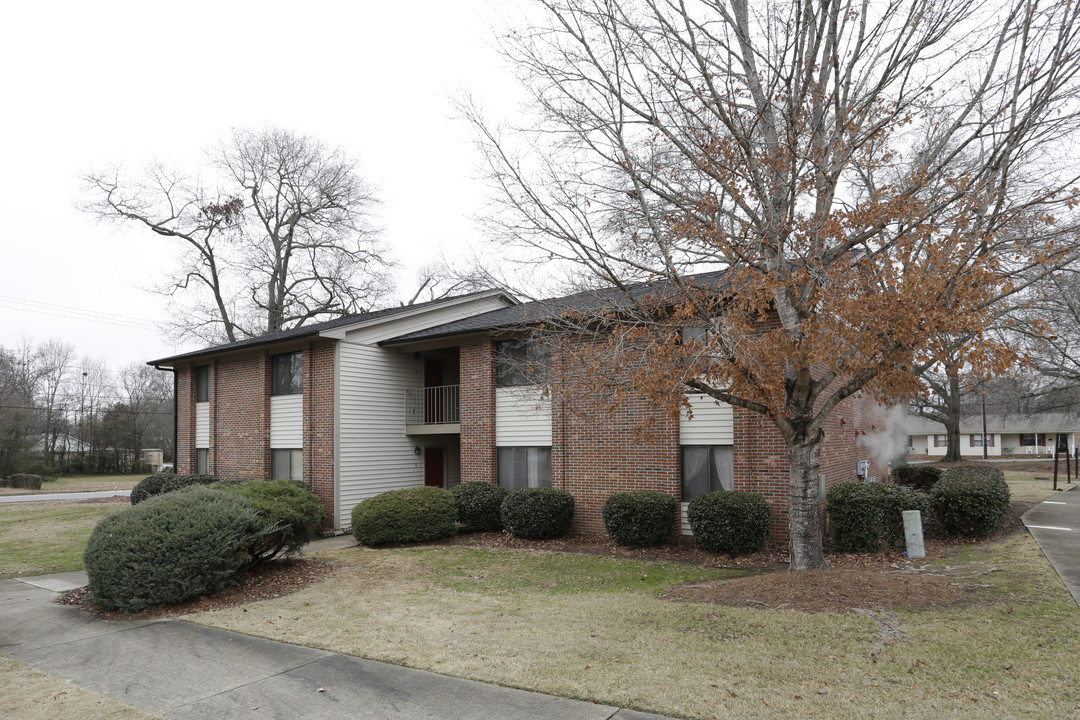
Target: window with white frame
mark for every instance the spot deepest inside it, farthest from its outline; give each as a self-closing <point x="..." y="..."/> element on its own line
<point x="524" y="467"/>
<point x="1032" y="439"/>
<point x="288" y="464"/>
<point x="941" y="441"/>
<point x="977" y="440"/>
<point x="707" y="469"/>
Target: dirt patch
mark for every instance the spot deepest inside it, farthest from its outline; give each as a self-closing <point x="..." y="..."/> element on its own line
<point x="264" y="582"/>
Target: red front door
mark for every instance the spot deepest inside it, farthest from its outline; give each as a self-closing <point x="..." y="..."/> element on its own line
<point x="433" y="467"/>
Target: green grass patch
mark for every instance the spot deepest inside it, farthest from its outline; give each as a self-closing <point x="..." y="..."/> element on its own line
<point x="80" y="483"/>
<point x="47" y="537"/>
<point x="599" y="629"/>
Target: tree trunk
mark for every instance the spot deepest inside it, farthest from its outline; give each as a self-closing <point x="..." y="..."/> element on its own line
<point x="804" y="522"/>
<point x="952" y="415"/>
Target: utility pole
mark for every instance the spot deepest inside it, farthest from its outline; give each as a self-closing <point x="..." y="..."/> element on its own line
<point x="984" y="424"/>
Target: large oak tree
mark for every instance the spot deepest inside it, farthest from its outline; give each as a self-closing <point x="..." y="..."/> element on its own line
<point x="871" y="176"/>
<point x="275" y="233"/>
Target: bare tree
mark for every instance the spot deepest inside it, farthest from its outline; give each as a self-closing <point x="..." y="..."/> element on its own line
<point x="54" y="360"/>
<point x="282" y="237"/>
<point x="871" y="177"/>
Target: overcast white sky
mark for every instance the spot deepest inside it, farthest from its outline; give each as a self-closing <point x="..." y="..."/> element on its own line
<point x="87" y="85"/>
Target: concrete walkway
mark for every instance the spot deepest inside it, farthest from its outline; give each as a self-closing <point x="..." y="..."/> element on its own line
<point x="184" y="671"/>
<point x="41" y="497"/>
<point x="1055" y="525"/>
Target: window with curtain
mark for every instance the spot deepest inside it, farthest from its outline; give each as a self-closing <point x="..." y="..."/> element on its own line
<point x="707" y="469"/>
<point x="524" y="467"/>
<point x="202" y="461"/>
<point x="287" y="464"/>
<point x="202" y="384"/>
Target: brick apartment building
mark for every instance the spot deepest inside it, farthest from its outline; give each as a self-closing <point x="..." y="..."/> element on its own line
<point x="426" y="394"/>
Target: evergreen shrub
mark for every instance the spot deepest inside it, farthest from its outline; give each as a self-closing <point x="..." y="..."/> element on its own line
<point x="163" y="483"/>
<point x="868" y="517"/>
<point x="538" y="513"/>
<point x="919" y="477"/>
<point x="970" y="500"/>
<point x="418" y="514"/>
<point x="290" y="510"/>
<point x="479" y="505"/>
<point x="730" y="521"/>
<point x="170" y="548"/>
<point x="643" y="518"/>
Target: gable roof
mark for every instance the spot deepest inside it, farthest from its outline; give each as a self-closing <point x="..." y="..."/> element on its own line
<point x="539" y="310"/>
<point x="998" y="424"/>
<point x="315" y="329"/>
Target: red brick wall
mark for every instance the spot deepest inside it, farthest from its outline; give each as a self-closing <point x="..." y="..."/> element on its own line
<point x="185" y="420"/>
<point x="240" y="418"/>
<point x="319" y="360"/>
<point x="602" y="446"/>
<point x="478" y="455"/>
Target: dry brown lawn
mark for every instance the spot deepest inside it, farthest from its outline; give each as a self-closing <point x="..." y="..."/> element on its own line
<point x="26" y="694"/>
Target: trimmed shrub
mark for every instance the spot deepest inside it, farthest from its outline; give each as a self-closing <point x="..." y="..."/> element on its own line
<point x="643" y="518"/>
<point x="538" y="513"/>
<point x="291" y="512"/>
<point x="868" y="517"/>
<point x="170" y="548"/>
<point x="730" y="521"/>
<point x="26" y="481"/>
<point x="919" y="477"/>
<point x="479" y="505"/>
<point x="153" y="485"/>
<point x="970" y="500"/>
<point x="418" y="514"/>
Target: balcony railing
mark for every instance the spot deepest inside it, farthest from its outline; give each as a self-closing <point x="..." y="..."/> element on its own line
<point x="433" y="405"/>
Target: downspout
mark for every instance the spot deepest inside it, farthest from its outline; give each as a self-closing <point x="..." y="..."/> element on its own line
<point x="175" y="408"/>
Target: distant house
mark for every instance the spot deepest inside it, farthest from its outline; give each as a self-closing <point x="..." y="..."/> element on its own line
<point x="430" y="394"/>
<point x="1005" y="435"/>
<point x="152" y="456"/>
<point x="62" y="443"/>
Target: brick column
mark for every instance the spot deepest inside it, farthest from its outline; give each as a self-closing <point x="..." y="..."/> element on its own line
<point x="319" y="358"/>
<point x="478" y="456"/>
<point x="185" y="420"/>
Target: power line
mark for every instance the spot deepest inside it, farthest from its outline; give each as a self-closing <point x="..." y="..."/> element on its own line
<point x="72" y="313"/>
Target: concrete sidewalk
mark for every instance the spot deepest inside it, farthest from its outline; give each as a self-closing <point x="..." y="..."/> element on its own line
<point x="184" y="671"/>
<point x="1055" y="525"/>
<point x="45" y="497"/>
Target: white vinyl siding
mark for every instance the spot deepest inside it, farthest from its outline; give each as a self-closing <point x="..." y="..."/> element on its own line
<point x="712" y="423"/>
<point x="522" y="417"/>
<point x="374" y="453"/>
<point x="202" y="425"/>
<point x="287" y="421"/>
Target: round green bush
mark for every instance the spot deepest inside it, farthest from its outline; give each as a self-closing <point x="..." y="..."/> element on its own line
<point x="165" y="483"/>
<point x="418" y="514"/>
<point x="643" y="518"/>
<point x="291" y="511"/>
<point x="970" y="500"/>
<point x="479" y="505"/>
<point x="170" y="548"/>
<point x="868" y="517"/>
<point x="730" y="521"/>
<point x="919" y="477"/>
<point x="538" y="513"/>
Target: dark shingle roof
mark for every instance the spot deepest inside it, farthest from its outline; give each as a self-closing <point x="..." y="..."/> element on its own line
<point x="539" y="310"/>
<point x="313" y="329"/>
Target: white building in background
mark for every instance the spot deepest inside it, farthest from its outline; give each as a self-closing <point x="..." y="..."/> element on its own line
<point x="1006" y="435"/>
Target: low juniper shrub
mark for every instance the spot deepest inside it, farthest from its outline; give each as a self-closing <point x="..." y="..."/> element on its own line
<point x="970" y="500"/>
<point x="479" y="505"/>
<point x="730" y="521"/>
<point x="162" y="483"/>
<point x="538" y="513"/>
<point x="170" y="548"/>
<point x="418" y="514"/>
<point x="643" y="518"/>
<point x="290" y="510"/>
